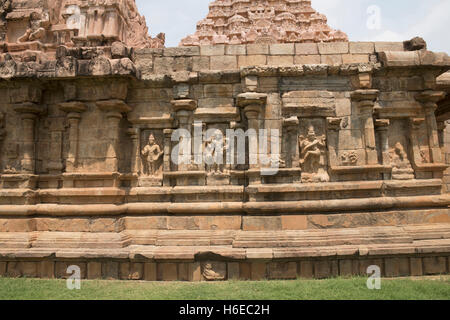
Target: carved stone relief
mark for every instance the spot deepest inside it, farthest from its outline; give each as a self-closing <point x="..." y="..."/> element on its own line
<point x="313" y="152"/>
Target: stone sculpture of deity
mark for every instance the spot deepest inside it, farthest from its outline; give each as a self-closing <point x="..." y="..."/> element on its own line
<point x="152" y="153"/>
<point x="402" y="169"/>
<point x="313" y="157"/>
<point x="212" y="157"/>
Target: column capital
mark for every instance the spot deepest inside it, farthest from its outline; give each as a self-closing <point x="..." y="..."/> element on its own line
<point x="29" y="109"/>
<point x="334" y="124"/>
<point x="113" y="106"/>
<point x="365" y="98"/>
<point x="73" y="107"/>
<point x="430" y="96"/>
<point x="251" y="98"/>
<point x="291" y="123"/>
<point x="382" y="124"/>
<point x="184" y="105"/>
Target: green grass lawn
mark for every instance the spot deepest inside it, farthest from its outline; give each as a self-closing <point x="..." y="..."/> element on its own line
<point x="354" y="288"/>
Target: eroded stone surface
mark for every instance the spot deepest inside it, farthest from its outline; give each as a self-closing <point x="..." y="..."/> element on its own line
<point x="262" y="22"/>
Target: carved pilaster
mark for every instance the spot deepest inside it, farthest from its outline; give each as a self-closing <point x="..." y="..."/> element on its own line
<point x="29" y="113"/>
<point x="429" y="100"/>
<point x="415" y="126"/>
<point x="253" y="104"/>
<point x="167" y="151"/>
<point x="74" y="111"/>
<point x="134" y="134"/>
<point x="333" y="128"/>
<point x="114" y="110"/>
<point x="365" y="102"/>
<point x="382" y="128"/>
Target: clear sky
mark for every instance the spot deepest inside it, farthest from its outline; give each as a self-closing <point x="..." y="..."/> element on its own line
<point x="373" y="20"/>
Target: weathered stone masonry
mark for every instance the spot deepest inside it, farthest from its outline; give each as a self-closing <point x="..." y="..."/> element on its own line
<point x="87" y="176"/>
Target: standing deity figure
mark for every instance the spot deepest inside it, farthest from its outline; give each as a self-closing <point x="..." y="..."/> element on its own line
<point x="313" y="157"/>
<point x="402" y="169"/>
<point x="152" y="152"/>
<point x="214" y="161"/>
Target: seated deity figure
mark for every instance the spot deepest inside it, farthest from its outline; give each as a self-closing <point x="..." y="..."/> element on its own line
<point x="36" y="31"/>
<point x="152" y="153"/>
<point x="312" y="157"/>
<point x="402" y="169"/>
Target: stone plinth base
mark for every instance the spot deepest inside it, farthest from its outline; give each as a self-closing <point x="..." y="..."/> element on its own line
<point x="198" y="255"/>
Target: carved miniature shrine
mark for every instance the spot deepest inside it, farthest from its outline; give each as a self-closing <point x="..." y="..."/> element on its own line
<point x="90" y="111"/>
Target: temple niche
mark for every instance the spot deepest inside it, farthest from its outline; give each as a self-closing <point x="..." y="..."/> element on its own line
<point x="262" y="21"/>
<point x="267" y="146"/>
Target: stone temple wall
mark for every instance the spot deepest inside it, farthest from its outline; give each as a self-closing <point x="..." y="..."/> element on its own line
<point x="89" y="178"/>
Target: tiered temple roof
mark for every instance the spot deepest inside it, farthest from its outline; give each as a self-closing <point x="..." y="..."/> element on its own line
<point x="262" y="21"/>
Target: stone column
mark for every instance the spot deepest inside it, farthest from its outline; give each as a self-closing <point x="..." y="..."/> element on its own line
<point x="166" y="159"/>
<point x="183" y="112"/>
<point x="333" y="128"/>
<point x="365" y="102"/>
<point x="114" y="110"/>
<point x="2" y="136"/>
<point x="29" y="112"/>
<point x="429" y="100"/>
<point x="73" y="110"/>
<point x="253" y="104"/>
<point x="382" y="128"/>
<point x="134" y="134"/>
<point x="415" y="126"/>
<point x="291" y="141"/>
<point x="56" y="128"/>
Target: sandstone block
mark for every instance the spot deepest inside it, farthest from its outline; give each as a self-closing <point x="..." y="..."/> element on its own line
<point x="389" y="46"/>
<point x="110" y="270"/>
<point x="218" y="90"/>
<point x="259" y="270"/>
<point x="252" y="60"/>
<point x="181" y="51"/>
<point x="362" y="47"/>
<point x="416" y="267"/>
<point x="282" y="49"/>
<point x="236" y="50"/>
<point x="280" y="60"/>
<point x="47" y="269"/>
<point x="150" y="271"/>
<point x="434" y="265"/>
<point x="348" y="267"/>
<point x="355" y="58"/>
<point x="282" y="270"/>
<point x="223" y="62"/>
<point x="307" y="59"/>
<point x="261" y="223"/>
<point x="245" y="271"/>
<point x="94" y="270"/>
<point x="183" y="272"/>
<point x="257" y="49"/>
<point x="201" y="63"/>
<point x="307" y="269"/>
<point x="167" y="272"/>
<point x="294" y="222"/>
<point x="331" y="59"/>
<point x="306" y="49"/>
<point x="396" y="267"/>
<point x="233" y="271"/>
<point x="3" y="266"/>
<point x="333" y="48"/>
<point x="195" y="272"/>
<point x="215" y="50"/>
